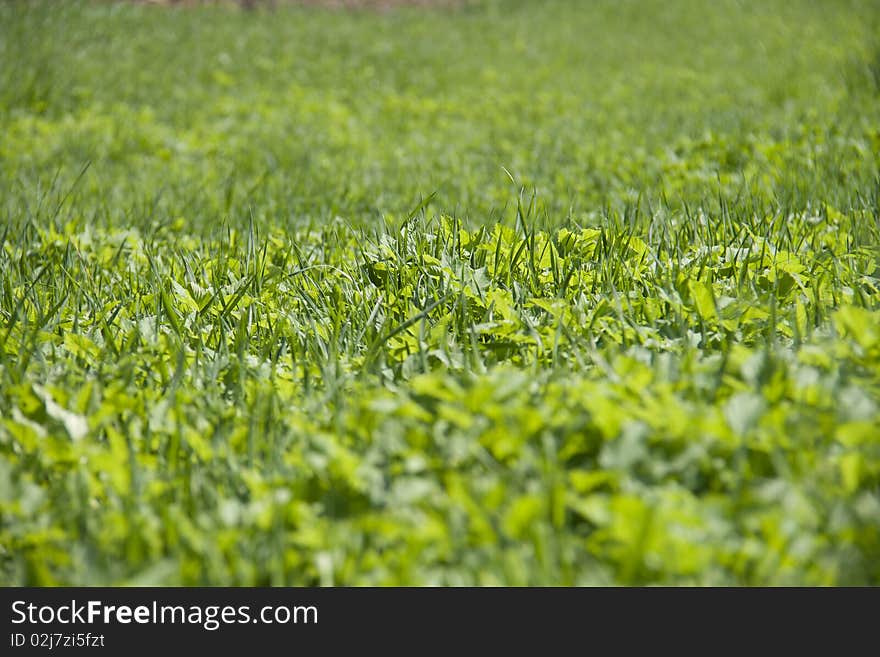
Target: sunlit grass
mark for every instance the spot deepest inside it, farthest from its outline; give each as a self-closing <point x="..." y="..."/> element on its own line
<point x="522" y="293"/>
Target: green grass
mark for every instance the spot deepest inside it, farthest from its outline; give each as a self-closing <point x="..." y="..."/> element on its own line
<point x="520" y="293"/>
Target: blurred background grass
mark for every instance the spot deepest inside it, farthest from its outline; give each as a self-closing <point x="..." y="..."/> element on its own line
<point x="301" y="114"/>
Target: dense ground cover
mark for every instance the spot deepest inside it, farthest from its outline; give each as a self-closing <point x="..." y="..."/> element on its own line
<point x="521" y="293"/>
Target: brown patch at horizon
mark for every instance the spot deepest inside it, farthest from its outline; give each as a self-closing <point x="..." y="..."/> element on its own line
<point x="332" y="4"/>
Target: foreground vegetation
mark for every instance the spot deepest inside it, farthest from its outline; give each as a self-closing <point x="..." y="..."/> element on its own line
<point x="519" y="293"/>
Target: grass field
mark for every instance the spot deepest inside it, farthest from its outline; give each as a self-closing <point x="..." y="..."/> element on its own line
<point x="517" y="293"/>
